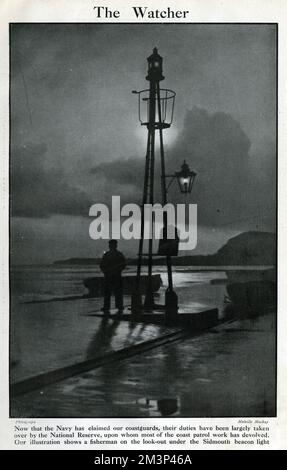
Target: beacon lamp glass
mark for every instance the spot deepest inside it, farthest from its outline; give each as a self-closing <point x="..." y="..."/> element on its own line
<point x="185" y="178"/>
<point x="154" y="66"/>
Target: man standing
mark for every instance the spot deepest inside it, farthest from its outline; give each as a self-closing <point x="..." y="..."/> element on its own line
<point x="112" y="264"/>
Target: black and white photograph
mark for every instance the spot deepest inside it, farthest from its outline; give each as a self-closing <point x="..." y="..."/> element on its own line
<point x="143" y="220"/>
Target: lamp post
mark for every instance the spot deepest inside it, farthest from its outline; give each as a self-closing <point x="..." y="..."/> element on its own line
<point x="156" y="106"/>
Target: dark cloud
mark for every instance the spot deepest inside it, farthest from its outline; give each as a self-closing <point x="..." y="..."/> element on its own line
<point x="231" y="188"/>
<point x="227" y="190"/>
<point x="128" y="171"/>
<point x="39" y="191"/>
<point x="124" y="176"/>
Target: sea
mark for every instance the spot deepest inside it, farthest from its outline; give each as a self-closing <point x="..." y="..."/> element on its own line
<point x="34" y="283"/>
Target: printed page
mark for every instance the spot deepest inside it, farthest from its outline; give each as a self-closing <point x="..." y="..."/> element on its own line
<point x="143" y="208"/>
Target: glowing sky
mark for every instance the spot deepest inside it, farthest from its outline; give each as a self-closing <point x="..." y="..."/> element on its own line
<point x="76" y="140"/>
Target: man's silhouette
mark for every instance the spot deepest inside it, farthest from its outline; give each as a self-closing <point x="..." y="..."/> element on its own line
<point x="112" y="264"/>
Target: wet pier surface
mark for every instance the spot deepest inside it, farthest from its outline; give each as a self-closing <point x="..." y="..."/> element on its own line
<point x="50" y="336"/>
<point x="47" y="335"/>
<point x="227" y="371"/>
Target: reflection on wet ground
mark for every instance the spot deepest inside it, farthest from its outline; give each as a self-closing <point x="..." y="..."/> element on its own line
<point x="45" y="338"/>
<point x="229" y="371"/>
<point x="50" y="335"/>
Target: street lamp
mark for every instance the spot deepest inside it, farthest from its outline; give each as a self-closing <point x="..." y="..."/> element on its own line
<point x="155" y="110"/>
<point x="185" y="178"/>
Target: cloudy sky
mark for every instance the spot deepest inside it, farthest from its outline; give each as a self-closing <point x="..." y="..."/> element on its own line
<point x="76" y="141"/>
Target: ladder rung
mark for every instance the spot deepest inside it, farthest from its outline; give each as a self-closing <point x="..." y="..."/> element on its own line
<point x="152" y="254"/>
